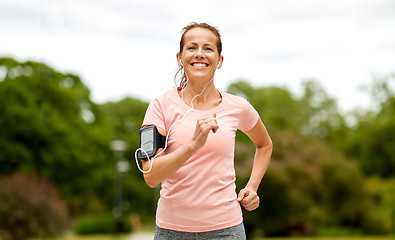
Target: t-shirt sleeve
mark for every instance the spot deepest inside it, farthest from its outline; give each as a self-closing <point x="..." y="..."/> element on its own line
<point x="248" y="116"/>
<point x="154" y="115"/>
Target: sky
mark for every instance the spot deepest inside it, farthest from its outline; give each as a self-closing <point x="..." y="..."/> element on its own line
<point x="124" y="48"/>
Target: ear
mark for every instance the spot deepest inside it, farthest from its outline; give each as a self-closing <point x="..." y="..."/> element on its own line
<point x="221" y="60"/>
<point x="179" y="60"/>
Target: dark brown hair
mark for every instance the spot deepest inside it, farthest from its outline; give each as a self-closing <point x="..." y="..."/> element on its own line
<point x="185" y="30"/>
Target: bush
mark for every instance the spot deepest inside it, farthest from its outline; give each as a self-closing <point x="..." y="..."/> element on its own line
<point x="30" y="207"/>
<point x="98" y="224"/>
<point x="310" y="186"/>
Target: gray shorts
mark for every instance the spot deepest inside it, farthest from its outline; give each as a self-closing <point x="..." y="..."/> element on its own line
<point x="233" y="233"/>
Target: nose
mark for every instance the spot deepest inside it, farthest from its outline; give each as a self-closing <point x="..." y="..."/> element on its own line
<point x="199" y="53"/>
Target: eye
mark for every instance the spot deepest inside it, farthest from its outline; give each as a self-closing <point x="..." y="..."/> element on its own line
<point x="208" y="49"/>
<point x="191" y="48"/>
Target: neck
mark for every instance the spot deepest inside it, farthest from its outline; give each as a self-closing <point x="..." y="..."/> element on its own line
<point x="199" y="87"/>
<point x="203" y="95"/>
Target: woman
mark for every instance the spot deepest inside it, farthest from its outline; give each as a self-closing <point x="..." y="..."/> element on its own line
<point x="198" y="198"/>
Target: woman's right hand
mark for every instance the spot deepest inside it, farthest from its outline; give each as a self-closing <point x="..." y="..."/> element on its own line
<point x="203" y="127"/>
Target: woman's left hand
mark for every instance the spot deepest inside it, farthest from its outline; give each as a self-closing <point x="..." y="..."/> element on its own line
<point x="249" y="199"/>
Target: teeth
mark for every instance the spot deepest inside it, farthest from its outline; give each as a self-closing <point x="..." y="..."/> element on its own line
<point x="199" y="64"/>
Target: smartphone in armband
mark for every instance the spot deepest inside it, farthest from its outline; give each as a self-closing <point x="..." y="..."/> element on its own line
<point x="150" y="141"/>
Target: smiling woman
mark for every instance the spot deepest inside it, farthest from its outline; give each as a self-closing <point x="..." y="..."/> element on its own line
<point x="196" y="166"/>
<point x="214" y="47"/>
<point x="200" y="56"/>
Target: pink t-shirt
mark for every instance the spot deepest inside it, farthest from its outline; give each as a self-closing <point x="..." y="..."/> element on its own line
<point x="201" y="195"/>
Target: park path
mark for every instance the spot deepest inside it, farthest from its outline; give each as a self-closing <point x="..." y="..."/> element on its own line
<point x="141" y="236"/>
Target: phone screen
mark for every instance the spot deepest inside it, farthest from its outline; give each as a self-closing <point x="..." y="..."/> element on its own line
<point x="147" y="140"/>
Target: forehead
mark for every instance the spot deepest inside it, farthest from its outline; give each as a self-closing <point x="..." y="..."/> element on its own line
<point x="200" y="35"/>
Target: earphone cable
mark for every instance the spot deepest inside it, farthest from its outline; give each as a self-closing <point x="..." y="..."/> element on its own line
<point x="151" y="161"/>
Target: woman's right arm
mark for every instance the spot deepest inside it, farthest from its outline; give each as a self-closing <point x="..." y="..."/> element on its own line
<point x="166" y="164"/>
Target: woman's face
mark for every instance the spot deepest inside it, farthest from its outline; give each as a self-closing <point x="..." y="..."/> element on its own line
<point x="200" y="57"/>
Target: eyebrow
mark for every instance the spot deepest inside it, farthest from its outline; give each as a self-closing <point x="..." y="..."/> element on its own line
<point x="206" y="44"/>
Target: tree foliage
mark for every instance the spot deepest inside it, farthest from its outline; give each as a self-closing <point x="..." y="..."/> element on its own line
<point x="274" y="103"/>
<point x="310" y="184"/>
<point x="372" y="140"/>
<point x="125" y="119"/>
<point x="50" y="127"/>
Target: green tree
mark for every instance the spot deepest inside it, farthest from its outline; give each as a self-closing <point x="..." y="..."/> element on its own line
<point x="275" y="104"/>
<point x="314" y="113"/>
<point x="308" y="179"/>
<point x="321" y="115"/>
<point x="125" y="118"/>
<point x="50" y="126"/>
<point x="372" y="140"/>
<point x="309" y="186"/>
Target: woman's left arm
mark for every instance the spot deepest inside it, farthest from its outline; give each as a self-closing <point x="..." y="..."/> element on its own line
<point x="248" y="196"/>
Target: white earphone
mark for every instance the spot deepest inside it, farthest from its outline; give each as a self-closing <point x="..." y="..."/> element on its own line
<point x="151" y="160"/>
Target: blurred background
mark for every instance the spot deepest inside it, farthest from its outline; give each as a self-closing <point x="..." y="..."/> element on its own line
<point x="76" y="78"/>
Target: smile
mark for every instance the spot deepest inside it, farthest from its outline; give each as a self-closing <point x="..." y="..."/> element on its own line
<point x="199" y="64"/>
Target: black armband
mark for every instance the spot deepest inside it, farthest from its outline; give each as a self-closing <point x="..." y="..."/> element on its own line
<point x="150" y="141"/>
